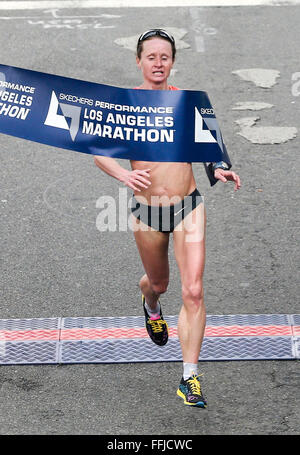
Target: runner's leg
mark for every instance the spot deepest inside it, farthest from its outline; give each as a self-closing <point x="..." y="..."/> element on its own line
<point x="153" y="249"/>
<point x="189" y="248"/>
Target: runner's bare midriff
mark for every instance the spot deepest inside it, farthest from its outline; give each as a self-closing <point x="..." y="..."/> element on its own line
<point x="170" y="182"/>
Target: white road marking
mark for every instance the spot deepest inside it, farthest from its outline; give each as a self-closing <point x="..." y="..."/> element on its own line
<point x="247" y="122"/>
<point x="251" y="106"/>
<point x="64" y="21"/>
<point x="70" y="24"/>
<point x="264" y="134"/>
<point x="261" y="77"/>
<point x="54" y="13"/>
<point x="20" y="5"/>
<point x="199" y="39"/>
<point x="200" y="29"/>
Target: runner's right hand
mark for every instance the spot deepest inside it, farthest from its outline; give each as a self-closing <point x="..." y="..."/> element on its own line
<point x="137" y="179"/>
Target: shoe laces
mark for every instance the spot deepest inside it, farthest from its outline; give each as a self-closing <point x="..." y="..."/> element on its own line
<point x="157" y="325"/>
<point x="194" y="384"/>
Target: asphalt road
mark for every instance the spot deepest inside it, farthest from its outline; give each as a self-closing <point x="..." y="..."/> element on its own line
<point x="54" y="261"/>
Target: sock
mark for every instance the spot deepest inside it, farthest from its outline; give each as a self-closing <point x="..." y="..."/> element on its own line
<point x="153" y="313"/>
<point x="189" y="369"/>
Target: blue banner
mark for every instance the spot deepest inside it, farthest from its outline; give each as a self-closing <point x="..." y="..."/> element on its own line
<point x="144" y="125"/>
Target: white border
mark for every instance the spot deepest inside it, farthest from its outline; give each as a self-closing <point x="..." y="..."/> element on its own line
<point x="47" y="4"/>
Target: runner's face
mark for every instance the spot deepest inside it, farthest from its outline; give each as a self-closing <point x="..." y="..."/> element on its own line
<point x="156" y="60"/>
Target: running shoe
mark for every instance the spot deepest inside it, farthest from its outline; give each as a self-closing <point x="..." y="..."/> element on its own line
<point x="156" y="326"/>
<point x="190" y="391"/>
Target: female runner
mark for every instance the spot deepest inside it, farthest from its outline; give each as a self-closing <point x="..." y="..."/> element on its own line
<point x="167" y="201"/>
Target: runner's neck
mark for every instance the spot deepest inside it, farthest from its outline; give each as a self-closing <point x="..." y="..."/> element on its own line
<point x="169" y="87"/>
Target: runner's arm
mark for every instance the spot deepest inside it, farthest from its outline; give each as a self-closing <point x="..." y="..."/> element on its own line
<point x="132" y="179"/>
<point x="224" y="176"/>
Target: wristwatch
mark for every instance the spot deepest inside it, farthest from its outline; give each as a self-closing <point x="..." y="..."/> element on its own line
<point x="221" y="165"/>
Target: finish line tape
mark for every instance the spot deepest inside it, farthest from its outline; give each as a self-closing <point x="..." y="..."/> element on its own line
<point x="146" y="125"/>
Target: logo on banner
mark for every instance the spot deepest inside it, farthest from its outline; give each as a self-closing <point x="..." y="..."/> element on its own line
<point x="54" y="118"/>
<point x="205" y="135"/>
<point x="201" y="134"/>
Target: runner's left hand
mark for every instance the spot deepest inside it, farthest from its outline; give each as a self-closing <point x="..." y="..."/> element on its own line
<point x="224" y="176"/>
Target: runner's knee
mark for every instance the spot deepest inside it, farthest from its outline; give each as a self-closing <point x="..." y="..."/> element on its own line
<point x="160" y="287"/>
<point x="193" y="293"/>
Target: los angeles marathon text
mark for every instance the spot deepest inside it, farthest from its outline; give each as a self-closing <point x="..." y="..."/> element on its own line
<point x="16" y="110"/>
<point x="121" y="124"/>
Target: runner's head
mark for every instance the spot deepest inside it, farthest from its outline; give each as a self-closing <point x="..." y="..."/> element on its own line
<point x="155" y="57"/>
<point x="155" y="33"/>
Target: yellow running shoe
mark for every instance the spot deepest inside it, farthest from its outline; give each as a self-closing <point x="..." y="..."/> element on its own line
<point x="191" y="393"/>
<point x="156" y="326"/>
